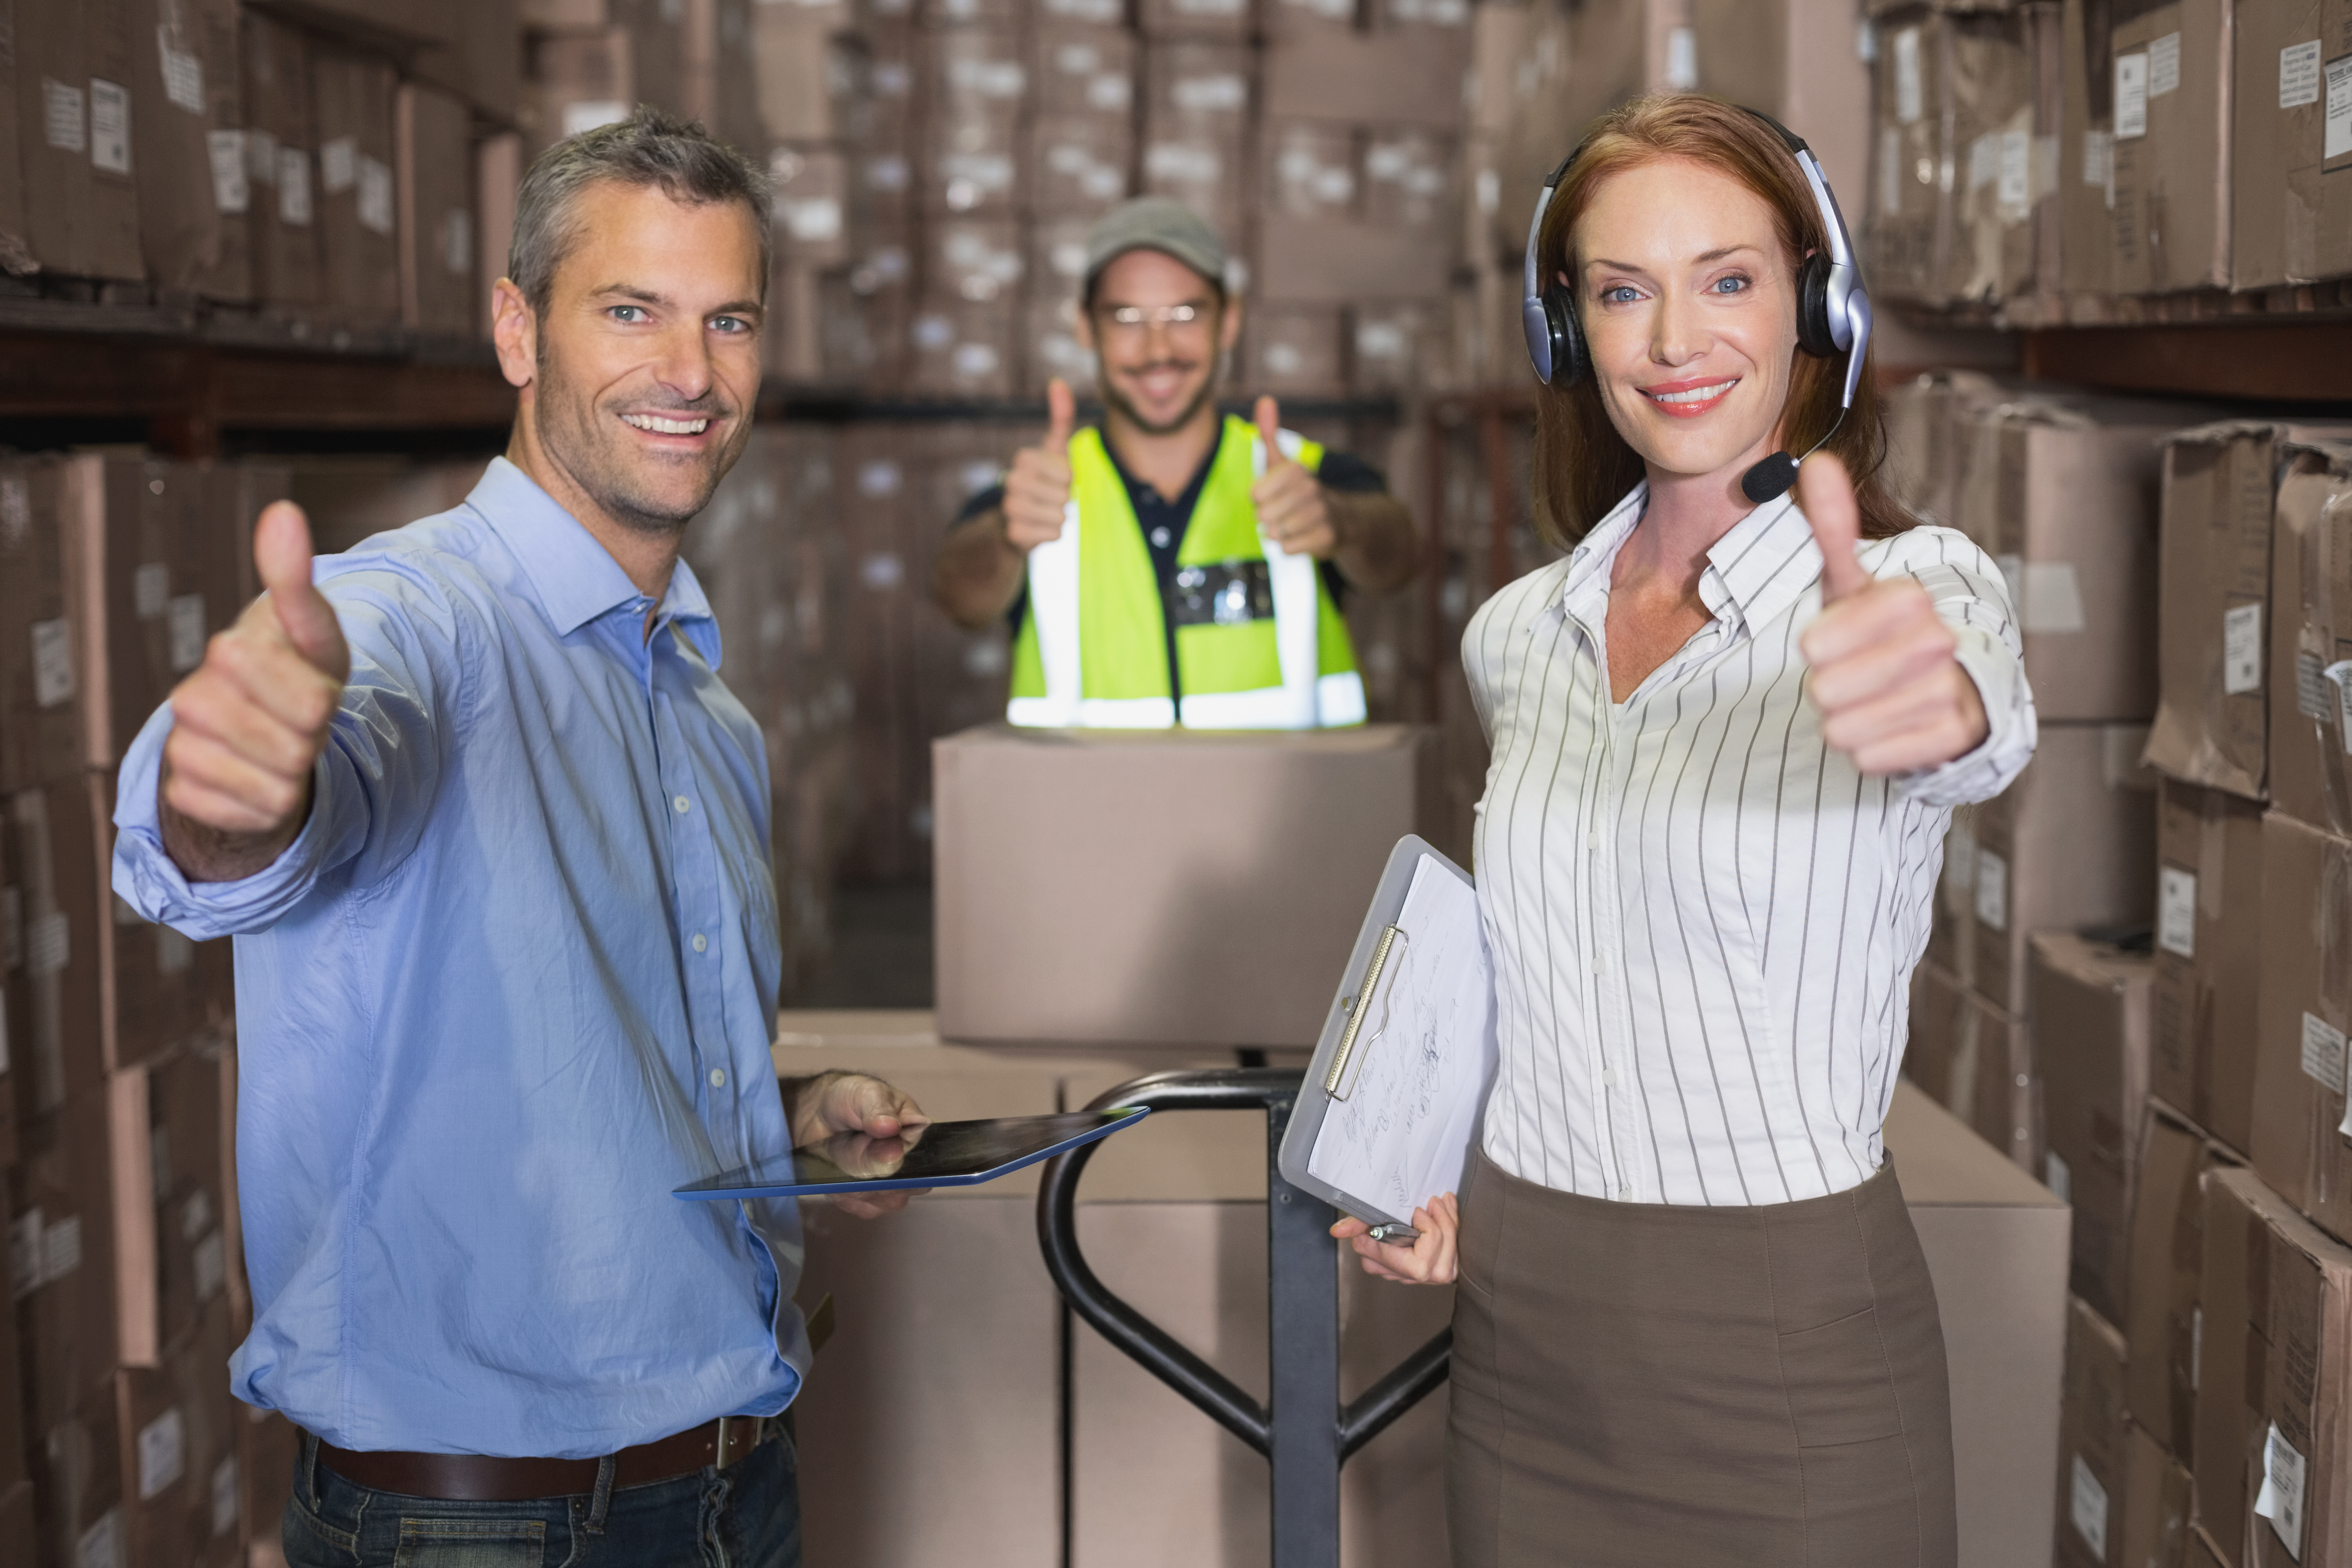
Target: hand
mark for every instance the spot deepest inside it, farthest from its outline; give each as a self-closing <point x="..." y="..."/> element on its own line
<point x="249" y="724"/>
<point x="832" y="1103"/>
<point x="1291" y="508"/>
<point x="1891" y="694"/>
<point x="1037" y="489"/>
<point x="1429" y="1261"/>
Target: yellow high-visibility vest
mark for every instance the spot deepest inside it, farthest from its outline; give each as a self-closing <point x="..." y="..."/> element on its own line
<point x="1259" y="643"/>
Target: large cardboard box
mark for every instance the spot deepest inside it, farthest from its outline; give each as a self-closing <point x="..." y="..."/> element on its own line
<point x="2274" y="1376"/>
<point x="62" y="1260"/>
<point x="2065" y="847"/>
<point x="1198" y="103"/>
<point x="52" y="986"/>
<point x="2093" y="1443"/>
<point x="1235" y="914"/>
<point x="2299" y="1145"/>
<point x="2172" y="158"/>
<point x="74" y="67"/>
<point x="359" y="202"/>
<point x="1996" y="1247"/>
<point x="2311" y="638"/>
<point x="1976" y="1062"/>
<point x="2289" y="223"/>
<point x="2209" y="919"/>
<point x="39" y="722"/>
<point x="76" y="1468"/>
<point x="439" y="247"/>
<point x="281" y="142"/>
<point x="177" y="1426"/>
<point x="970" y="160"/>
<point x="2063" y="493"/>
<point x="1401" y="74"/>
<point x="2220" y="497"/>
<point x="187" y="126"/>
<point x="2091" y="1020"/>
<point x="482" y="63"/>
<point x="2167" y="1262"/>
<point x="189" y="1104"/>
<point x="2157" y="1505"/>
<point x="2087" y="162"/>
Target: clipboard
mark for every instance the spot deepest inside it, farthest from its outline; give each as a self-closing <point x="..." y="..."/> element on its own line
<point x="1360" y="1025"/>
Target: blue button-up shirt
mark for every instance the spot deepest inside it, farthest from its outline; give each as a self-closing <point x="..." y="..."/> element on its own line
<point x="512" y="984"/>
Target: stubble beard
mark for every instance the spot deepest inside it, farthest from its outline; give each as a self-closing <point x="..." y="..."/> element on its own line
<point x="582" y="438"/>
<point x="1119" y="400"/>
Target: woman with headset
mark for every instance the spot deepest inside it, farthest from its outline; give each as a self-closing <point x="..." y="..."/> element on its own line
<point x="1693" y="1325"/>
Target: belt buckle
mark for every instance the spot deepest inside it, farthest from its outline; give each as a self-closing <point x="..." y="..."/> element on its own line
<point x="731" y="1426"/>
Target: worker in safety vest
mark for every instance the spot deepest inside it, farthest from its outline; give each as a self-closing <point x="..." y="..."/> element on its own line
<point x="1177" y="565"/>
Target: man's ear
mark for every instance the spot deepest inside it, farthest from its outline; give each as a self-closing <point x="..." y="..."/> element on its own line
<point x="514" y="328"/>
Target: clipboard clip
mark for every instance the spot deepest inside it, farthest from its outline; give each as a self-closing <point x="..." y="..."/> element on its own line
<point x="1339" y="1083"/>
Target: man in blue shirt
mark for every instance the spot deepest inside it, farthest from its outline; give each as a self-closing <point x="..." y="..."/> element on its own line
<point x="494" y="842"/>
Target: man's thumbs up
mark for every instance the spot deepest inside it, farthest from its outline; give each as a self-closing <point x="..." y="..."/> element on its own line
<point x="248" y="725"/>
<point x="1037" y="485"/>
<point x="1892" y="695"/>
<point x="1267" y="416"/>
<point x="1292" y="510"/>
<point x="1061" y="415"/>
<point x="281" y="552"/>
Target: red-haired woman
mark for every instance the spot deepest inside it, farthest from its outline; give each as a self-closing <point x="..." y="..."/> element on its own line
<point x="1694" y="1324"/>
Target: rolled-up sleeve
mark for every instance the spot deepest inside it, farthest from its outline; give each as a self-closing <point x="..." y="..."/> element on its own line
<point x="1972" y="597"/>
<point x="372" y="786"/>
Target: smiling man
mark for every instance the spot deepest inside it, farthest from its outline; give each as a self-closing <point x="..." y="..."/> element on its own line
<point x="493" y="840"/>
<point x="1202" y="567"/>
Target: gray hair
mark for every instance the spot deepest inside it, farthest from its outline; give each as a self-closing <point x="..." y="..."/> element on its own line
<point x="651" y="147"/>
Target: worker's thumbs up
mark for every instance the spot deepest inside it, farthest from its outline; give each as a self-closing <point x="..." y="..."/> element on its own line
<point x="1061" y="415"/>
<point x="1825" y="495"/>
<point x="1267" y="417"/>
<point x="281" y="553"/>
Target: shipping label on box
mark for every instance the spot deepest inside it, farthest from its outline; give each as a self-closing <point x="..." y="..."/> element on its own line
<point x="2290" y="125"/>
<point x="2094" y="1440"/>
<point x="2172" y="213"/>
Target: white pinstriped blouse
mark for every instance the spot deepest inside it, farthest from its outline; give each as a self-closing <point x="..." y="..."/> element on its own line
<point x="1704" y="920"/>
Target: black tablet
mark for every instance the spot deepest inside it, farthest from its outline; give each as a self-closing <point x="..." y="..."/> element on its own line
<point x="939" y="1154"/>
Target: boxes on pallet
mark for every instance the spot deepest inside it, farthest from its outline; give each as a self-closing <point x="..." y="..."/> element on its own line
<point x="2168" y="1261"/>
<point x="2311" y="627"/>
<point x="2305" y="1008"/>
<point x="75" y="67"/>
<point x="2288" y="224"/>
<point x="2272" y="1381"/>
<point x="281" y="140"/>
<point x="1197" y="102"/>
<point x="2220" y="496"/>
<point x="2172" y="114"/>
<point x="2090" y="1011"/>
<point x="2209" y="924"/>
<point x="188" y="140"/>
<point x="2094" y="1442"/>
<point x="439" y="247"/>
<point x="2063" y="849"/>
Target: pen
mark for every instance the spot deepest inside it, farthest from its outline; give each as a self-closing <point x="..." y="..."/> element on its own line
<point x="1394" y="1231"/>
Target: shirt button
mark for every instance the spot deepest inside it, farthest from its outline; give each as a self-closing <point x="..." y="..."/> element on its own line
<point x="1600" y="963"/>
<point x="700" y="942"/>
<point x="718" y="1078"/>
<point x="681" y="802"/>
<point x="1160" y="539"/>
<point x="1592" y="839"/>
<point x="1609" y="1077"/>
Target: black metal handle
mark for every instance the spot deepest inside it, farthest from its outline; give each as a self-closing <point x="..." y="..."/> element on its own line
<point x="1275" y="1091"/>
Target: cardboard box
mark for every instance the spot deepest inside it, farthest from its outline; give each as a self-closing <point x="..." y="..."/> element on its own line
<point x="962" y="349"/>
<point x="804" y="73"/>
<point x="2168" y="1261"/>
<point x="16" y="251"/>
<point x="1798" y="61"/>
<point x="1083" y="69"/>
<point x="75" y="66"/>
<point x="1407" y="176"/>
<point x="189" y="1110"/>
<point x="2172" y="154"/>
<point x="40" y="722"/>
<point x="2062" y="491"/>
<point x="2065" y="847"/>
<point x="718" y="79"/>
<point x="2288" y="224"/>
<point x="1025" y="827"/>
<point x="2306" y="1006"/>
<point x="2272" y="1470"/>
<point x="577" y="81"/>
<point x="2093" y="1443"/>
<point x="1996" y="1247"/>
<point x="482" y="63"/>
<point x="2091" y="1017"/>
<point x="78" y="1486"/>
<point x="2208" y="956"/>
<point x="969" y="159"/>
<point x="1974" y="1061"/>
<point x="439" y="247"/>
<point x="1396" y="74"/>
<point x="62" y="1260"/>
<point x="1298" y="348"/>
<point x="2220" y="497"/>
<point x="1197" y="105"/>
<point x="2157" y="1504"/>
<point x="177" y="1426"/>
<point x="281" y="140"/>
<point x="52" y="986"/>
<point x="358" y="204"/>
<point x="1310" y="168"/>
<point x="1385" y="345"/>
<point x="2311" y="636"/>
<point x="1078" y="163"/>
<point x="2086" y="162"/>
<point x="811" y="188"/>
<point x="194" y="191"/>
<point x="268" y="1449"/>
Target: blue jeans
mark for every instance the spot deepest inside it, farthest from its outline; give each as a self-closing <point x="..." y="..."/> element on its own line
<point x="746" y="1516"/>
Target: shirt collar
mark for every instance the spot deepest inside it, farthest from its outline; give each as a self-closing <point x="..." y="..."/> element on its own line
<point x="575" y="578"/>
<point x="1757" y="568"/>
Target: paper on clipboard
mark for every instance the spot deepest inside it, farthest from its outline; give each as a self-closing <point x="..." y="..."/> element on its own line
<point x="1409" y="1092"/>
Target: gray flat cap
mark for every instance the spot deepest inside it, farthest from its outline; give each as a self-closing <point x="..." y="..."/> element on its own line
<point x="1156" y="223"/>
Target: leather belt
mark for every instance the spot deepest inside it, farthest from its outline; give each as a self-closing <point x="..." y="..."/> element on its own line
<point x="477" y="1478"/>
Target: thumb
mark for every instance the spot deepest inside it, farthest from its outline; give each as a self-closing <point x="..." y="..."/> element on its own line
<point x="1826" y="497"/>
<point x="1267" y="417"/>
<point x="281" y="553"/>
<point x="1061" y="413"/>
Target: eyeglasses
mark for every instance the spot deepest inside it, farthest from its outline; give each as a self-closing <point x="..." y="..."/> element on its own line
<point x="1131" y="320"/>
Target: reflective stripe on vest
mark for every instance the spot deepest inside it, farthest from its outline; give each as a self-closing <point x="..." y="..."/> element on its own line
<point x="1110" y="668"/>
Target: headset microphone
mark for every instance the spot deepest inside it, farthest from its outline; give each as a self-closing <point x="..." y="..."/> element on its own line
<point x="1833" y="311"/>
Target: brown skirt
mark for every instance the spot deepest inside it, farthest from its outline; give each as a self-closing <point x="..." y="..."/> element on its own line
<point x="1649" y="1383"/>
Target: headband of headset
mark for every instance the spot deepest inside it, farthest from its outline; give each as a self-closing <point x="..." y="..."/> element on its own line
<point x="1842" y="315"/>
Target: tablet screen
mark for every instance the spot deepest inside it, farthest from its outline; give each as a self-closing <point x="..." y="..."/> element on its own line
<point x="942" y="1154"/>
